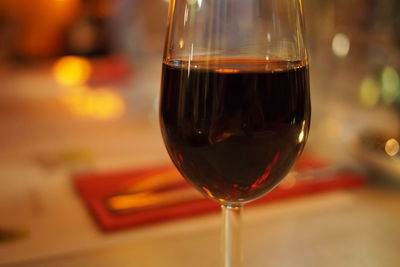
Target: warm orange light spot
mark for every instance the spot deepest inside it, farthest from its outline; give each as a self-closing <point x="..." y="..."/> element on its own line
<point x="71" y="70"/>
<point x="133" y="201"/>
<point x="98" y="104"/>
<point x="392" y="147"/>
<point x="207" y="191"/>
<point x="227" y="70"/>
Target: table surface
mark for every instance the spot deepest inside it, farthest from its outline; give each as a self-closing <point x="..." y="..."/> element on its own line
<point x="358" y="228"/>
<point x="41" y="147"/>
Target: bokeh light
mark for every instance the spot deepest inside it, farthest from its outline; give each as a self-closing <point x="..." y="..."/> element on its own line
<point x="369" y="92"/>
<point x="72" y="70"/>
<point x="340" y="45"/>
<point x="392" y="147"/>
<point x="390" y="84"/>
<point x="99" y="104"/>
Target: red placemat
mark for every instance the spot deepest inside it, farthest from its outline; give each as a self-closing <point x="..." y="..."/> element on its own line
<point x="97" y="188"/>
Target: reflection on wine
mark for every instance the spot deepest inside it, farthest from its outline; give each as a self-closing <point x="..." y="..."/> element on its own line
<point x="234" y="127"/>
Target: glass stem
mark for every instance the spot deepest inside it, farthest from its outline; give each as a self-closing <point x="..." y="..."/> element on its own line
<point x="231" y="235"/>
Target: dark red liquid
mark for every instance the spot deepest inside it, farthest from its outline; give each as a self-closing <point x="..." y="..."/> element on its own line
<point x="234" y="128"/>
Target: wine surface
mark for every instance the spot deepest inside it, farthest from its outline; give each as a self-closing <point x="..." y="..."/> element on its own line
<point x="234" y="127"/>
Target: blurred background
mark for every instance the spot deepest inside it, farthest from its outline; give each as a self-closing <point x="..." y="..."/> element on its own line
<point x="79" y="83"/>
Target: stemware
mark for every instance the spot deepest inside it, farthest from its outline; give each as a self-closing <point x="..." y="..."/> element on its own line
<point x="235" y="102"/>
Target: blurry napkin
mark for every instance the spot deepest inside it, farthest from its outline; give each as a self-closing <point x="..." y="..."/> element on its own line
<point x="132" y="198"/>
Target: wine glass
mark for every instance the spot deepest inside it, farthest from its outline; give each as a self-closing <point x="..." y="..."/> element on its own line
<point x="235" y="102"/>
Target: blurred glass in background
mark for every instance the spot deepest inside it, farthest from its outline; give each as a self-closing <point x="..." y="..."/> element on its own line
<point x="354" y="66"/>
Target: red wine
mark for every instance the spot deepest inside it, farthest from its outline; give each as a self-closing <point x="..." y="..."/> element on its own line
<point x="234" y="128"/>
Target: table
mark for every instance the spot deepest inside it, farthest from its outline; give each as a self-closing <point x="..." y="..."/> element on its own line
<point x="357" y="228"/>
<point x="42" y="144"/>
